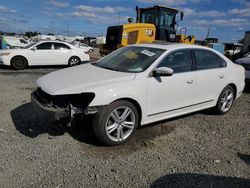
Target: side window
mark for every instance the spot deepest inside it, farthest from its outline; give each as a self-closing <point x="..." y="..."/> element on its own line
<point x="23" y="41"/>
<point x="208" y="60"/>
<point x="60" y="46"/>
<point x="44" y="46"/>
<point x="179" y="61"/>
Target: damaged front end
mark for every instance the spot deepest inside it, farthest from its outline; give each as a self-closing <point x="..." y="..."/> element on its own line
<point x="64" y="106"/>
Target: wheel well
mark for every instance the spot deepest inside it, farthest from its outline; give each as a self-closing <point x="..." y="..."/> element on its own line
<point x="234" y="88"/>
<point x="137" y="105"/>
<point x="74" y="56"/>
<point x="19" y="56"/>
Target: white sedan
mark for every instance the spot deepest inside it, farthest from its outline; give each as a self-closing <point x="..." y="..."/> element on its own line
<point x="83" y="46"/>
<point x="141" y="84"/>
<point x="43" y="53"/>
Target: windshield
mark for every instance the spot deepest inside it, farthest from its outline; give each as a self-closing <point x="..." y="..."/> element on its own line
<point x="167" y="18"/>
<point x="29" y="45"/>
<point x="162" y="17"/>
<point x="149" y="16"/>
<point x="132" y="59"/>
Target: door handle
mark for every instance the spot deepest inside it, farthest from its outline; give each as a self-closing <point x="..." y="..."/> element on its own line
<point x="190" y="81"/>
<point x="221" y="76"/>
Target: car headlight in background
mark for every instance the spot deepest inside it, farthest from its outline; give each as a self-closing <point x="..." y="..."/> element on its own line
<point x="4" y="54"/>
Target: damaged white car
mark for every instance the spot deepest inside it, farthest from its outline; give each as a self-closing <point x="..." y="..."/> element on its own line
<point x="140" y="84"/>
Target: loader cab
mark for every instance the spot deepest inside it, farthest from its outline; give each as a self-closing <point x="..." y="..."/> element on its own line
<point x="153" y="23"/>
<point x="164" y="19"/>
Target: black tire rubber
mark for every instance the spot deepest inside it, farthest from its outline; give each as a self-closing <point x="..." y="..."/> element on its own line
<point x="70" y="65"/>
<point x="217" y="108"/>
<point x="100" y="118"/>
<point x="19" y="63"/>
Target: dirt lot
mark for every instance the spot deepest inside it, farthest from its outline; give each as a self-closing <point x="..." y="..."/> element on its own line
<point x="197" y="150"/>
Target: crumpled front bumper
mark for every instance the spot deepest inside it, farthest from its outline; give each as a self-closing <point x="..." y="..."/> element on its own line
<point x="42" y="108"/>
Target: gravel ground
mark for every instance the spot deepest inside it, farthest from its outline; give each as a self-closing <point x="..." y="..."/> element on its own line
<point x="196" y="150"/>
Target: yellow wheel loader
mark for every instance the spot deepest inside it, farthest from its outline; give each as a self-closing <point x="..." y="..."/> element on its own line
<point x="152" y="23"/>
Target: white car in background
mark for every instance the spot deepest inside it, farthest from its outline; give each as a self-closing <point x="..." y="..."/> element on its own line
<point x="8" y="42"/>
<point x="141" y="84"/>
<point x="83" y="46"/>
<point x="43" y="53"/>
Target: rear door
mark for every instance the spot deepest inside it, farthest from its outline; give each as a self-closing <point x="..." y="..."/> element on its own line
<point x="210" y="76"/>
<point x="61" y="53"/>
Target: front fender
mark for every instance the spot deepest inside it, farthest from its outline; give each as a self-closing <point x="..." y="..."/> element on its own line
<point x="105" y="97"/>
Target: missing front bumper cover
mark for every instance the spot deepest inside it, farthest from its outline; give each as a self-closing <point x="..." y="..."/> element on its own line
<point x="68" y="112"/>
<point x="90" y="110"/>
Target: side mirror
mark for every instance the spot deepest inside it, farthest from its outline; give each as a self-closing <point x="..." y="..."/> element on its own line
<point x="163" y="71"/>
<point x="34" y="48"/>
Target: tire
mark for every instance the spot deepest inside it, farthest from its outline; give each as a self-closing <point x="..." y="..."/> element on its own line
<point x="225" y="101"/>
<point x="19" y="63"/>
<point x="73" y="61"/>
<point x="111" y="128"/>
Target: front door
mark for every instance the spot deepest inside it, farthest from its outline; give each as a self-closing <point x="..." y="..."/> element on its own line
<point x="172" y="93"/>
<point x="42" y="55"/>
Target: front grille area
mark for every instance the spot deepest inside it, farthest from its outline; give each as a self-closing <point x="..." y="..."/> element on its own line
<point x="62" y="101"/>
<point x="246" y="66"/>
<point x="44" y="97"/>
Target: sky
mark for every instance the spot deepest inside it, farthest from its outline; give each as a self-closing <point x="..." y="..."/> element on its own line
<point x="225" y="19"/>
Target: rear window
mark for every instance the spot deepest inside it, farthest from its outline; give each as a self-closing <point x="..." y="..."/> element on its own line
<point x="208" y="60"/>
<point x="60" y="46"/>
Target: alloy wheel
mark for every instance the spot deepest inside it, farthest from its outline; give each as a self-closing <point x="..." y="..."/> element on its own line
<point x="227" y="100"/>
<point x="74" y="61"/>
<point x="120" y="123"/>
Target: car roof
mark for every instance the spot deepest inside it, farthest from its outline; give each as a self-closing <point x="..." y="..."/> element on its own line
<point x="171" y="46"/>
<point x="52" y="41"/>
<point x="55" y="41"/>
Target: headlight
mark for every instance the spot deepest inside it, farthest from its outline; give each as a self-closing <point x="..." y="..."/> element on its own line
<point x="4" y="54"/>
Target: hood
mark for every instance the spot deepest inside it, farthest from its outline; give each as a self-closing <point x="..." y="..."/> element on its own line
<point x="80" y="79"/>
